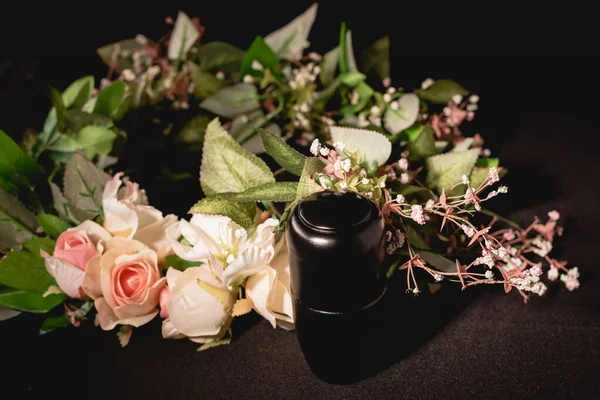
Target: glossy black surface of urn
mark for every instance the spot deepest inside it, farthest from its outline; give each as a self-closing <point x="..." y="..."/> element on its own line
<point x="335" y="242"/>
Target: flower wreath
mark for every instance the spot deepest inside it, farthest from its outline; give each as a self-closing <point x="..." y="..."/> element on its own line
<point x="94" y="242"/>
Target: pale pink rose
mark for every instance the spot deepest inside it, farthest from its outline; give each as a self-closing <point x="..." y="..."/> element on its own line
<point x="74" y="248"/>
<point x="125" y="283"/>
<point x="165" y="295"/>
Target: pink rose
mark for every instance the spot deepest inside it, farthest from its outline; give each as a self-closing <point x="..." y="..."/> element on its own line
<point x="165" y="295"/>
<point x="125" y="283"/>
<point x="74" y="248"/>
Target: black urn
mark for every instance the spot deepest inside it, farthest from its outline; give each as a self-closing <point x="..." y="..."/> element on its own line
<point x="335" y="240"/>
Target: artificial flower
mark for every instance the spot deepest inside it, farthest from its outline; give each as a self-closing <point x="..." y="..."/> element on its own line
<point x="124" y="283"/>
<point x="270" y="291"/>
<point x="199" y="305"/>
<point x="74" y="248"/>
<point x="225" y="246"/>
<point x="125" y="215"/>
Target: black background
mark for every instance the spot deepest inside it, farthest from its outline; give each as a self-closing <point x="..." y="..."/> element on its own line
<point x="538" y="114"/>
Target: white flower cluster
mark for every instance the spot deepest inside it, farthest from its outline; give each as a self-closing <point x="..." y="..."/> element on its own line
<point x="531" y="281"/>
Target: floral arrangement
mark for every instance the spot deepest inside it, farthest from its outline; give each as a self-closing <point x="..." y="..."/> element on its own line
<point x="77" y="238"/>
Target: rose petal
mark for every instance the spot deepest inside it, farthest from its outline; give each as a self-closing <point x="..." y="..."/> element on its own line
<point x="163" y="300"/>
<point x="91" y="278"/>
<point x="112" y="187"/>
<point x="108" y="319"/>
<point x="119" y="218"/>
<point x="147" y="215"/>
<point x="168" y="330"/>
<point x="94" y="231"/>
<point x="68" y="276"/>
<point x="172" y="276"/>
<point x="258" y="288"/>
<point x="149" y="303"/>
<point x="154" y="236"/>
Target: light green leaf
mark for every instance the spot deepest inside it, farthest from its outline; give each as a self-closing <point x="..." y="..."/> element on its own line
<point x="307" y="184"/>
<point x="242" y="213"/>
<point x="183" y="37"/>
<point x="488" y="162"/>
<point x="77" y="119"/>
<point x="25" y="269"/>
<point x="129" y="46"/>
<point x="396" y="121"/>
<point x="109" y="99"/>
<point x="439" y="262"/>
<point x="373" y="146"/>
<point x="350" y="60"/>
<point x="52" y="225"/>
<point x="31" y="302"/>
<point x="351" y="78"/>
<point x="415" y="238"/>
<point x="193" y="130"/>
<point x="445" y="170"/>
<point x="232" y="100"/>
<point x="278" y="192"/>
<point x="423" y="146"/>
<point x="78" y="92"/>
<point x="17" y="169"/>
<point x="442" y="91"/>
<point x="411" y="134"/>
<point x="261" y="52"/>
<point x="328" y="66"/>
<point x="13" y="207"/>
<point x="59" y="109"/>
<point x="365" y="92"/>
<point x="93" y="140"/>
<point x="479" y="174"/>
<point x="244" y="126"/>
<point x="174" y="261"/>
<point x="219" y="56"/>
<point x="83" y="187"/>
<point x="290" y="41"/>
<point x="343" y="50"/>
<point x="463" y="145"/>
<point x="205" y="83"/>
<point x="377" y="58"/>
<point x="218" y="342"/>
<point x="282" y="153"/>
<point x="227" y="167"/>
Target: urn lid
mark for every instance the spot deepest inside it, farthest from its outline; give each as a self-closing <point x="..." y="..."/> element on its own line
<point x="335" y="242"/>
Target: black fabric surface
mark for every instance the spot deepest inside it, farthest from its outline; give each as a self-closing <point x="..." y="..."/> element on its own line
<point x="538" y="115"/>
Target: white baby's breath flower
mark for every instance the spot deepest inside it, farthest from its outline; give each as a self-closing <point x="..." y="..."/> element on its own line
<point x="220" y="75"/>
<point x="473" y="99"/>
<point x="315" y="147"/>
<point x="427" y="83"/>
<point x="257" y="66"/>
<point x="128" y="75"/>
<point x="394" y="105"/>
<point x="457" y="98"/>
<point x="387" y="97"/>
<point x="248" y="79"/>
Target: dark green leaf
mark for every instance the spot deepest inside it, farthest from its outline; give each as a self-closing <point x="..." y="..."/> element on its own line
<point x="176" y="262"/>
<point x="25" y="269"/>
<point x="423" y="146"/>
<point x="78" y="92"/>
<point x="377" y="58"/>
<point x="262" y="53"/>
<point x="442" y="91"/>
<point x="52" y="323"/>
<point x="407" y="190"/>
<point x="12" y="207"/>
<point x="343" y="50"/>
<point x="29" y="301"/>
<point x="52" y="225"/>
<point x="109" y="99"/>
<point x="282" y="153"/>
<point x="487" y="162"/>
<point x="219" y="56"/>
<point x="193" y="130"/>
<point x="278" y="192"/>
<point x="365" y="92"/>
<point x="128" y="46"/>
<point x="415" y="238"/>
<point x="205" y="83"/>
<point x="232" y="101"/>
<point x="17" y="169"/>
<point x="93" y="140"/>
<point x="439" y="262"/>
<point x="242" y="213"/>
<point x="328" y="66"/>
<point x="77" y="119"/>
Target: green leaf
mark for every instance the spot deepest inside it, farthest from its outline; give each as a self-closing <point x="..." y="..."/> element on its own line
<point x="488" y="162"/>
<point x="478" y="175"/>
<point x="12" y="235"/>
<point x="343" y="50"/>
<point x="352" y="78"/>
<point x="176" y="262"/>
<point x="77" y="119"/>
<point x="290" y="41"/>
<point x="17" y="169"/>
<point x="227" y="167"/>
<point x="242" y="213"/>
<point x="219" y="56"/>
<point x="376" y="58"/>
<point x="59" y="108"/>
<point x="328" y="66"/>
<point x="365" y="92"/>
<point x="109" y="99"/>
<point x="282" y="153"/>
<point x="52" y="323"/>
<point x="93" y="140"/>
<point x="374" y="147"/>
<point x="439" y="262"/>
<point x="244" y="126"/>
<point x="351" y="61"/>
<point x="205" y="83"/>
<point x="396" y="121"/>
<point x="232" y="101"/>
<point x="415" y="238"/>
<point x="25" y="269"/>
<point x="218" y="342"/>
<point x="12" y="207"/>
<point x="29" y="301"/>
<point x="423" y="146"/>
<point x="183" y="37"/>
<point x="278" y="192"/>
<point x="83" y="187"/>
<point x="78" y="92"/>
<point x="193" y="130"/>
<point x="442" y="91"/>
<point x="61" y="205"/>
<point x="411" y="134"/>
<point x="307" y="184"/>
<point x="262" y="53"/>
<point x="408" y="190"/>
<point x="129" y="46"/>
<point x="52" y="225"/>
<point x="445" y="170"/>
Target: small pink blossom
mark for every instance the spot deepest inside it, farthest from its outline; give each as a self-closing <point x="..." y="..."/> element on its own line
<point x="509" y="235"/>
<point x="315" y="147"/>
<point x="403" y="164"/>
<point x="469" y="231"/>
<point x="554" y="215"/>
<point x="493" y="175"/>
<point x="553" y="274"/>
<point x="417" y="214"/>
<point x="404" y="178"/>
<point x="400" y="199"/>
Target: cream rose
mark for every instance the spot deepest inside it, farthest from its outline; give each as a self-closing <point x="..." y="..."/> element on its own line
<point x="74" y="248"/>
<point x="270" y="292"/>
<point x="125" y="283"/>
<point x="126" y="216"/>
<point x="199" y="306"/>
